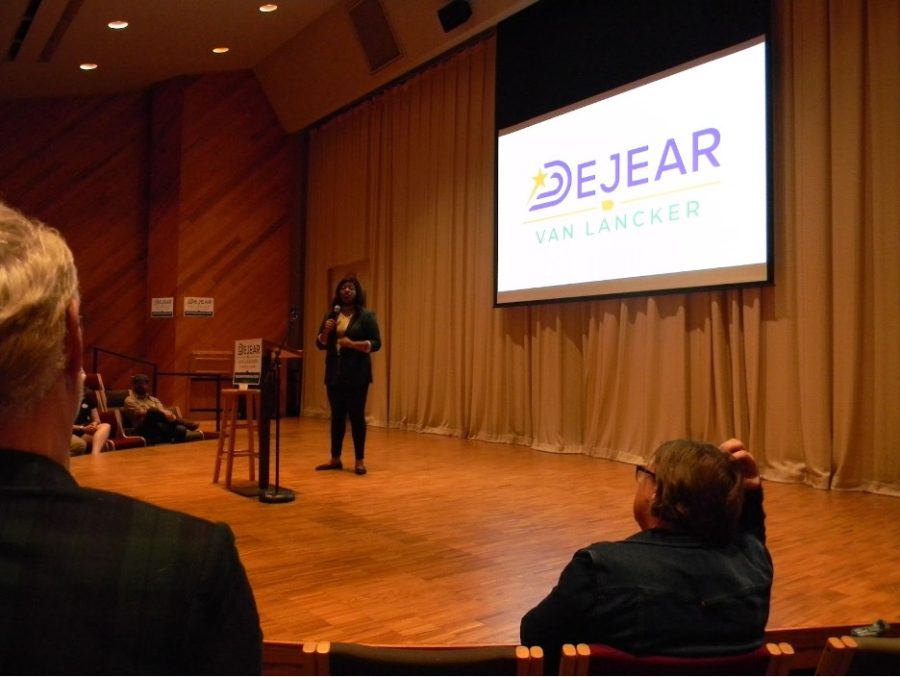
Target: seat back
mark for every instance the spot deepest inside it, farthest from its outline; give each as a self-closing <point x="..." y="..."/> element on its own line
<point x="600" y="659"/>
<point x="338" y="658"/>
<point x="118" y="437"/>
<point x="289" y="658"/>
<point x="115" y="399"/>
<point x="95" y="383"/>
<point x="860" y="656"/>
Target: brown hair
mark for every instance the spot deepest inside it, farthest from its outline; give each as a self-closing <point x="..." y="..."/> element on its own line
<point x="699" y="490"/>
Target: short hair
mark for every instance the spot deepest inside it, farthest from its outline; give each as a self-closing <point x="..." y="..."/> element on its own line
<point x="38" y="281"/>
<point x="699" y="490"/>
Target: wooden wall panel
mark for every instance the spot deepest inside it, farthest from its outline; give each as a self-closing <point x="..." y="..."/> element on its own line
<point x="80" y="165"/>
<point x="224" y="213"/>
<point x="188" y="189"/>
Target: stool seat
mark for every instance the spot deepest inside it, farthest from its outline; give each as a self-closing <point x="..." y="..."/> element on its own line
<point x="231" y="424"/>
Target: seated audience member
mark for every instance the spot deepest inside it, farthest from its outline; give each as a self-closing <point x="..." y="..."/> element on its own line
<point x="87" y="424"/>
<point x="694" y="581"/>
<point x="77" y="446"/>
<point x="93" y="582"/>
<point x="150" y="419"/>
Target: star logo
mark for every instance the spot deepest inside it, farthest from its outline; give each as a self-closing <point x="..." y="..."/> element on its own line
<point x="538" y="179"/>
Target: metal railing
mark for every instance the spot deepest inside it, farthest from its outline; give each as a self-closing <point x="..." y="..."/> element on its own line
<point x="155" y="374"/>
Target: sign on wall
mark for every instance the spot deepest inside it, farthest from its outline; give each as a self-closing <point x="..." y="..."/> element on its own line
<point x="163" y="306"/>
<point x="199" y="306"/>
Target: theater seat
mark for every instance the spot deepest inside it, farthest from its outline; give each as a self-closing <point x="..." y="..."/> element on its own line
<point x="860" y="656"/>
<point x="288" y="658"/>
<point x="340" y="658"/>
<point x="118" y="438"/>
<point x="600" y="659"/>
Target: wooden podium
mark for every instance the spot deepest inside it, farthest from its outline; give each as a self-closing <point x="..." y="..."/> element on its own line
<point x="271" y="381"/>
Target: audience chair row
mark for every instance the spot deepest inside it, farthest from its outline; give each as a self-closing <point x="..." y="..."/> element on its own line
<point x="339" y="658"/>
<point x="110" y="404"/>
<point x="599" y="659"/>
<point x="119" y="437"/>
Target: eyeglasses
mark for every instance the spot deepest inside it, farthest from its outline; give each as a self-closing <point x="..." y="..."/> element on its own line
<point x="643" y="470"/>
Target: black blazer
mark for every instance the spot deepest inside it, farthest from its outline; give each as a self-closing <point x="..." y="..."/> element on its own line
<point x="93" y="582"/>
<point x="350" y="367"/>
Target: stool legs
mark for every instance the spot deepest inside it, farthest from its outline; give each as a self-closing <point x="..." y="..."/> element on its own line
<point x="228" y="433"/>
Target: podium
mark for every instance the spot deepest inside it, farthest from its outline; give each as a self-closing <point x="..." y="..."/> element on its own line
<point x="270" y="409"/>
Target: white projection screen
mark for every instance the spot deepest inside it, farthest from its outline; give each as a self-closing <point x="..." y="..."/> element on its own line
<point x="659" y="185"/>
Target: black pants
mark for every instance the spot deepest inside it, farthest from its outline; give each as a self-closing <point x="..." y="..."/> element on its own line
<point x="348" y="401"/>
<point x="157" y="429"/>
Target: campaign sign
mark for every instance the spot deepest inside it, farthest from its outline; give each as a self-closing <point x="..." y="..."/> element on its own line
<point x="199" y="306"/>
<point x="162" y="306"/>
<point x="248" y="361"/>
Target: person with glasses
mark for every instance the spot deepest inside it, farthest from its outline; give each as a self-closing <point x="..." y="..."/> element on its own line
<point x="694" y="581"/>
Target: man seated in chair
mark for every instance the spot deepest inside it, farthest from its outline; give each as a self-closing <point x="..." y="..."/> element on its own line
<point x="93" y="582"/>
<point x="695" y="581"/>
<point x="150" y="419"/>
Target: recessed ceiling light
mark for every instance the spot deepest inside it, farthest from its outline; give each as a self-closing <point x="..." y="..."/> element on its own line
<point x="88" y="66"/>
<point x="220" y="50"/>
<point x="118" y="25"/>
<point x="269" y="7"/>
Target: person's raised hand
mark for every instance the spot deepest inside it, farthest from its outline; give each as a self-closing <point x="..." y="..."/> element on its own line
<point x="745" y="459"/>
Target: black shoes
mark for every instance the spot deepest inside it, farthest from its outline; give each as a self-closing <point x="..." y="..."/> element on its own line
<point x="337" y="465"/>
<point x="180" y="434"/>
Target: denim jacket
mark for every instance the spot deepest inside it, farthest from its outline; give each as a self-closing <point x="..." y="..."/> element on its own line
<point x="663" y="593"/>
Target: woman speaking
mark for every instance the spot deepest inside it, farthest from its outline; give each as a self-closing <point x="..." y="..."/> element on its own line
<point x="348" y="334"/>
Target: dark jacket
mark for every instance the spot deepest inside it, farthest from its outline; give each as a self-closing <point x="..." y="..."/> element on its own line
<point x="350" y="368"/>
<point x="93" y="582"/>
<point x="662" y="593"/>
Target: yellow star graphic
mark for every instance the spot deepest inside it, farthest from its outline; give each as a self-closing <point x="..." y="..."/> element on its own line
<point x="538" y="183"/>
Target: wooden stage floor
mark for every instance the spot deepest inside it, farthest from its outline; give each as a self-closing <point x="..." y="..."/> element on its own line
<point x="450" y="541"/>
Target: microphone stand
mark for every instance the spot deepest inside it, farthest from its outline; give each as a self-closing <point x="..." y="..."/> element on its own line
<point x="278" y="494"/>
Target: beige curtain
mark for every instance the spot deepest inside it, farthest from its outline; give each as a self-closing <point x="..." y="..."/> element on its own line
<point x="806" y="372"/>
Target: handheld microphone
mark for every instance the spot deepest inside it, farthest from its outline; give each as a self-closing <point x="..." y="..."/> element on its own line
<point x="335" y="312"/>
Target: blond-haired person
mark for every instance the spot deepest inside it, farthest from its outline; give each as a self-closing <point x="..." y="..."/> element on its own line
<point x="93" y="582"/>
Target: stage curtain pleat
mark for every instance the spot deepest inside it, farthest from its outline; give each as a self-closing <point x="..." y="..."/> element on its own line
<point x="806" y="372"/>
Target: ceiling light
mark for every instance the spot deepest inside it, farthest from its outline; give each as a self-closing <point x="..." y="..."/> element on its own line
<point x="88" y="66"/>
<point x="270" y="7"/>
<point x="220" y="50"/>
<point x="118" y="25"/>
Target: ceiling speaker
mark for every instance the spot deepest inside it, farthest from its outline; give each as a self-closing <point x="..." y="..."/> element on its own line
<point x="454" y="15"/>
<point x="374" y="33"/>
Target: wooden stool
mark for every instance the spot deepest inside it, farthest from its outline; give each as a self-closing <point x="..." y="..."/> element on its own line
<point x="231" y="398"/>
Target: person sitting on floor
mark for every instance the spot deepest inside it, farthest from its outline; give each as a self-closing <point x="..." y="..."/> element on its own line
<point x="77" y="446"/>
<point x="88" y="426"/>
<point x="150" y="419"/>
